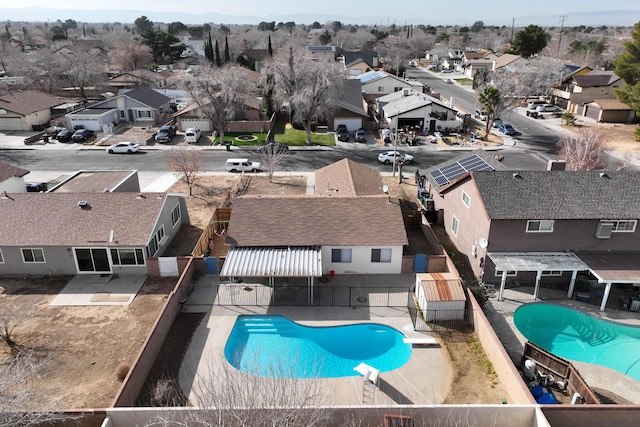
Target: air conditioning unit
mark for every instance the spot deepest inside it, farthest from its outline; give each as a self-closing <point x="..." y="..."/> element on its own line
<point x="604" y="230"/>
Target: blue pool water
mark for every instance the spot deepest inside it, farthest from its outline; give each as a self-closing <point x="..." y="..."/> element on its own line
<point x="274" y="346"/>
<point x="578" y="336"/>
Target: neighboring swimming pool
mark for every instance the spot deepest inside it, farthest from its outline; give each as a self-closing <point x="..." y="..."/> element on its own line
<point x="274" y="346"/>
<point x="578" y="336"/>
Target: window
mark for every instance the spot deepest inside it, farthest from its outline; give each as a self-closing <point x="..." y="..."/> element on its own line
<point x="509" y="273"/>
<point x="175" y="214"/>
<point x="540" y="226"/>
<point x="33" y="255"/>
<point x="128" y="256"/>
<point x="1" y="258"/>
<point x="466" y="199"/>
<point x="623" y="226"/>
<point x="380" y="88"/>
<point x="454" y="226"/>
<point x="551" y="273"/>
<point x="160" y="233"/>
<point x="144" y="114"/>
<point x="341" y="255"/>
<point x="152" y="247"/>
<point x="381" y="255"/>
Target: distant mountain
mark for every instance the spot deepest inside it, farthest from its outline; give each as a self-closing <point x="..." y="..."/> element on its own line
<point x="32" y="14"/>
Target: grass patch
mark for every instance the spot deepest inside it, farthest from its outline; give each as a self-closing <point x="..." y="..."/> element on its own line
<point x="260" y="139"/>
<point x="294" y="137"/>
<point x="464" y="81"/>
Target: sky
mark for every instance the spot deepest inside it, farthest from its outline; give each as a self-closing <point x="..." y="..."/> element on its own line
<point x="398" y="11"/>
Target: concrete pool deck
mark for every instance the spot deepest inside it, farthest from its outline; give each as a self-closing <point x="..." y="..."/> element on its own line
<point x="500" y="315"/>
<point x="424" y="379"/>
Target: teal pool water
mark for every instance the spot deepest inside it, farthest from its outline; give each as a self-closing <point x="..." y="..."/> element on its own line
<point x="578" y="336"/>
<point x="274" y="346"/>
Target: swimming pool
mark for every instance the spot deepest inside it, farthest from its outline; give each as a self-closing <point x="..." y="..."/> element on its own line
<point x="578" y="336"/>
<point x="274" y="346"/>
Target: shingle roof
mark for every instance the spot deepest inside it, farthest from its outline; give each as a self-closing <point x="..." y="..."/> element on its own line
<point x="610" y="104"/>
<point x="346" y="178"/>
<point x="366" y="56"/>
<point x="560" y="194"/>
<point x="55" y="219"/>
<point x="316" y="221"/>
<point x="28" y="102"/>
<point x="9" y="171"/>
<point x="596" y="78"/>
<point x="148" y="97"/>
<point x="351" y="98"/>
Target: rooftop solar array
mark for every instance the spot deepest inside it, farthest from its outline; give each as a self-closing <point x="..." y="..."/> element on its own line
<point x="368" y="77"/>
<point x="453" y="171"/>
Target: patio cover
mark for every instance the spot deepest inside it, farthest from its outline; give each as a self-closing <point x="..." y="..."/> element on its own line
<point x="272" y="262"/>
<point x="618" y="268"/>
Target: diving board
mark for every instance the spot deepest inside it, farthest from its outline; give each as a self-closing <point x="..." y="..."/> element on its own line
<point x="420" y="341"/>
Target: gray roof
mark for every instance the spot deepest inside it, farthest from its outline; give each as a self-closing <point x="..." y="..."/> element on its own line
<point x="351" y="98"/>
<point x="9" y="171"/>
<point x="405" y="103"/>
<point x="560" y="194"/>
<point x="148" y="97"/>
<point x="316" y="221"/>
<point x="55" y="219"/>
<point x="596" y="78"/>
<point x="365" y="55"/>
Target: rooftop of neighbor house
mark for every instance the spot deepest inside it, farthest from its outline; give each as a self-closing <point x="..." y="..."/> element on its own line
<point x="92" y="182"/>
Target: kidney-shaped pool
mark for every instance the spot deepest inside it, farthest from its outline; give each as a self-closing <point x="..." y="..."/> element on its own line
<point x="274" y="346"/>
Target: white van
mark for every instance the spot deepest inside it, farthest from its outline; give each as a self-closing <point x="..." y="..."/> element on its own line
<point x="192" y="135"/>
<point x="241" y="165"/>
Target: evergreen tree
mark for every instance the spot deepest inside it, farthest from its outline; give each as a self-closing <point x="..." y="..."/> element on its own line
<point x="208" y="49"/>
<point x="627" y="66"/>
<point x="217" y="55"/>
<point x="270" y="49"/>
<point x="227" y="56"/>
<point x="530" y="41"/>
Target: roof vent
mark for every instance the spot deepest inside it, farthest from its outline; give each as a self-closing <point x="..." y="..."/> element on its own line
<point x="517" y="175"/>
<point x="83" y="204"/>
<point x="604" y="175"/>
<point x="141" y="196"/>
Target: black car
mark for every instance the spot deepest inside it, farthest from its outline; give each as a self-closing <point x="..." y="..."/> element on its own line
<point x="165" y="133"/>
<point x="343" y="133"/>
<point x="64" y="135"/>
<point x="274" y="148"/>
<point x="82" y="135"/>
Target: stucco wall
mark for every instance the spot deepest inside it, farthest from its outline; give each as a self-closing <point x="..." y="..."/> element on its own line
<point x="361" y="261"/>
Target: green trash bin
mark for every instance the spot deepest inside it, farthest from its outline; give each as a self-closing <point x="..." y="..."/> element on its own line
<point x="228" y="146"/>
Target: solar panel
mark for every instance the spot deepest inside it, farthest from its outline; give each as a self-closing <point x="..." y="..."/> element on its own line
<point x="369" y="77"/>
<point x="451" y="172"/>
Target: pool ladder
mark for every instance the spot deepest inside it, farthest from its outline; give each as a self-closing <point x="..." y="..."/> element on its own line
<point x="368" y="392"/>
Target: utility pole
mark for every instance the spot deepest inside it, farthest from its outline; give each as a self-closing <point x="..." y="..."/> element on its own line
<point x="562" y="19"/>
<point x="513" y="27"/>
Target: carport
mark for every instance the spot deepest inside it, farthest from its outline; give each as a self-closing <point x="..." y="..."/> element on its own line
<point x="272" y="262"/>
<point x="538" y="262"/>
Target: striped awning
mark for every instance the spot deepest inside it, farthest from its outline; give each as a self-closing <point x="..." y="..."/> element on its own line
<point x="273" y="262"/>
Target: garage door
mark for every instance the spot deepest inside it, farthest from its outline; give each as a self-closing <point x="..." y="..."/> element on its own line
<point x="202" y="124"/>
<point x="593" y="112"/>
<point x="11" y="123"/>
<point x="352" y="124"/>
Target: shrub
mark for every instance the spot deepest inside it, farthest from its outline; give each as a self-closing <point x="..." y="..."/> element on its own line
<point x="122" y="371"/>
<point x="636" y="134"/>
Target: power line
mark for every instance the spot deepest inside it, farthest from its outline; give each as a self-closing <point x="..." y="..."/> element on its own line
<point x="562" y="19"/>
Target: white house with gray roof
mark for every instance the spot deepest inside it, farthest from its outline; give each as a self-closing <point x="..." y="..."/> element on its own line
<point x="86" y="233"/>
<point x="411" y="108"/>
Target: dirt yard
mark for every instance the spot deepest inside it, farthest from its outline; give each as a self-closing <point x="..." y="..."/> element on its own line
<point x="84" y="346"/>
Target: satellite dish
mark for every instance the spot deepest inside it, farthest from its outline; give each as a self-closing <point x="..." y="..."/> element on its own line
<point x="483" y="243"/>
<point x="385" y="188"/>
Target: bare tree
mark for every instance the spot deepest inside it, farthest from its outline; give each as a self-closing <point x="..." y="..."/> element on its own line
<point x="583" y="150"/>
<point x="309" y="88"/>
<point x="185" y="164"/>
<point x="129" y="55"/>
<point x="82" y="70"/>
<point x="270" y="157"/>
<point x="219" y="93"/>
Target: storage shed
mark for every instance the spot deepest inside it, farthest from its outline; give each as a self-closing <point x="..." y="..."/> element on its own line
<point x="440" y="296"/>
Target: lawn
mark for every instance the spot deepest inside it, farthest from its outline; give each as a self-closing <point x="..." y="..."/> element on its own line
<point x="282" y="133"/>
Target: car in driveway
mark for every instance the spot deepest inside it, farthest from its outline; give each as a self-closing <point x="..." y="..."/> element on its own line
<point x="82" y="135"/>
<point x="448" y="81"/>
<point x="481" y="115"/>
<point x="360" y="135"/>
<point x="64" y="135"/>
<point x="52" y="131"/>
<point x="123" y="148"/>
<point x="274" y="148"/>
<point x="343" y="133"/>
<point x="386" y="157"/>
<point x="447" y="71"/>
<point x="165" y="133"/>
<point x="507" y="129"/>
<point x="547" y="108"/>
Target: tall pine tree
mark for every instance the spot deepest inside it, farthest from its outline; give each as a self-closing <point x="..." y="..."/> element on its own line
<point x="270" y="49"/>
<point x="217" y="55"/>
<point x="208" y="49"/>
<point x="227" y="56"/>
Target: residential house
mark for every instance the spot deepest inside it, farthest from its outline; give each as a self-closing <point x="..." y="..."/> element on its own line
<point x="247" y="117"/>
<point x="412" y="109"/>
<point x="99" y="181"/>
<point x="254" y="58"/>
<point x="481" y="61"/>
<point x="326" y="54"/>
<point x="12" y="178"/>
<point x="358" y="62"/>
<point x="346" y="178"/>
<point x="609" y="111"/>
<point x="140" y="107"/>
<point x="454" y="59"/>
<point x="350" y="109"/>
<point x="86" y="233"/>
<point x="27" y="110"/>
<point x="579" y="89"/>
<point x="140" y="78"/>
<point x="508" y="61"/>
<point x="379" y="83"/>
<point x="308" y="236"/>
<point x="564" y="223"/>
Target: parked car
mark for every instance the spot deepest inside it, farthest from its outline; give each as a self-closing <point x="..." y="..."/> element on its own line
<point x="386" y="157"/>
<point x="497" y="122"/>
<point x="36" y="187"/>
<point x="507" y="129"/>
<point x="413" y="63"/>
<point x="360" y="135"/>
<point x="82" y="135"/>
<point x="123" y="148"/>
<point x="241" y="165"/>
<point x="192" y="135"/>
<point x="448" y="81"/>
<point x="547" y="108"/>
<point x="165" y="133"/>
<point x="274" y="148"/>
<point x="52" y="131"/>
<point x="64" y="135"/>
<point x="343" y="133"/>
<point x="532" y="105"/>
<point x="481" y="114"/>
<point x="447" y="71"/>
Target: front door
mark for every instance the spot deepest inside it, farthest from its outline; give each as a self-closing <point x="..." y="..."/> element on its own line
<point x="92" y="260"/>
